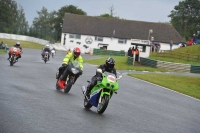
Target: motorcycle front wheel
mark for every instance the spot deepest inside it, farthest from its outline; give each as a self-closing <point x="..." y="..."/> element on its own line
<point x="11" y="61"/>
<point x="57" y="87"/>
<point x="87" y="105"/>
<point x="103" y="104"/>
<point x="45" y="60"/>
<point x="68" y="86"/>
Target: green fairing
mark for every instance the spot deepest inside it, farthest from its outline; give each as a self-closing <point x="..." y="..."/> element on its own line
<point x="102" y="84"/>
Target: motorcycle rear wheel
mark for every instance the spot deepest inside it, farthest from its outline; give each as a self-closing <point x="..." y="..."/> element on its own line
<point x="103" y="104"/>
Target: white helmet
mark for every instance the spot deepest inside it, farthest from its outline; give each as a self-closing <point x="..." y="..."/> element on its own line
<point x="47" y="46"/>
<point x="18" y="43"/>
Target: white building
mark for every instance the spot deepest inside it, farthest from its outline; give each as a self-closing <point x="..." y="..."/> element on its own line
<point x="115" y="34"/>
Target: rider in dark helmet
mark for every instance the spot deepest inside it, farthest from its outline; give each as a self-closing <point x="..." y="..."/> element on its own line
<point x="17" y="45"/>
<point x="108" y="67"/>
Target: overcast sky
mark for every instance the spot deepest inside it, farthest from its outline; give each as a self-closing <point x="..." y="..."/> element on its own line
<point x="142" y="10"/>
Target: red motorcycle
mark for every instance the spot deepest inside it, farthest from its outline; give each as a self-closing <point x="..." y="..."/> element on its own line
<point x="15" y="52"/>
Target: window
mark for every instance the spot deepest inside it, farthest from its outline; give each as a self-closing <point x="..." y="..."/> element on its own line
<point x="143" y="48"/>
<point x="71" y="36"/>
<point x="97" y="38"/>
<point x="75" y="36"/>
<point x="122" y="41"/>
<point x="78" y="36"/>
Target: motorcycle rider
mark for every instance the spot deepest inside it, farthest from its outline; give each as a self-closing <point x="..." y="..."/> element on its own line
<point x="72" y="56"/>
<point x="46" y="49"/>
<point x="108" y="67"/>
<point x="54" y="50"/>
<point x="17" y="45"/>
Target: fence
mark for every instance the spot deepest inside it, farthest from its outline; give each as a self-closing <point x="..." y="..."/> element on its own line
<point x="130" y="60"/>
<point x="108" y="52"/>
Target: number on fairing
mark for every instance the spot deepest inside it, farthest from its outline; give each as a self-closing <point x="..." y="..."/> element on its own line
<point x="111" y="78"/>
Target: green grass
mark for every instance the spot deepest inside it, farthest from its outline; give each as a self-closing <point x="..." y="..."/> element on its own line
<point x="122" y="65"/>
<point x="175" y="60"/>
<point x="183" y="84"/>
<point x="2" y="51"/>
<point x="180" y="53"/>
<point x="24" y="44"/>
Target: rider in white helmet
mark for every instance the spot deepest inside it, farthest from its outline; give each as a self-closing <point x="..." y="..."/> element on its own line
<point x="17" y="45"/>
<point x="46" y="49"/>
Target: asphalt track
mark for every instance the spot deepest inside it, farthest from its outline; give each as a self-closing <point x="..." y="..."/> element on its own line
<point x="29" y="103"/>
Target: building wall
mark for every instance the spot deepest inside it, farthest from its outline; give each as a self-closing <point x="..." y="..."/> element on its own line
<point x="112" y="43"/>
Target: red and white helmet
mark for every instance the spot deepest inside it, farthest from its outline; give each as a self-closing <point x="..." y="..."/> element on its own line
<point x="76" y="52"/>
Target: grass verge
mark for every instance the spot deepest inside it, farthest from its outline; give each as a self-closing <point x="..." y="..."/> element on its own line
<point x="186" y="85"/>
<point x="178" y="55"/>
<point x="2" y="51"/>
<point x="175" y="60"/>
<point x="122" y="65"/>
<point x="24" y="44"/>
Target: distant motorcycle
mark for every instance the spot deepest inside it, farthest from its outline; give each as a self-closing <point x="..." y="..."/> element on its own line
<point x="102" y="92"/>
<point x="74" y="69"/>
<point x="15" y="52"/>
<point x="46" y="55"/>
<point x="53" y="53"/>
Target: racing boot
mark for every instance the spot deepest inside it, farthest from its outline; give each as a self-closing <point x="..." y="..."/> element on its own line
<point x="9" y="57"/>
<point x="87" y="93"/>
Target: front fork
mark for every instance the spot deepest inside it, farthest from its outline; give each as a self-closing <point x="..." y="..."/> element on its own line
<point x="104" y="93"/>
<point x="70" y="77"/>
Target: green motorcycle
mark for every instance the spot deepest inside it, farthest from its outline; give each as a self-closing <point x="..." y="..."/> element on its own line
<point x="102" y="92"/>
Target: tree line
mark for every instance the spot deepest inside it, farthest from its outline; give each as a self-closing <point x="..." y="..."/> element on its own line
<point x="48" y="25"/>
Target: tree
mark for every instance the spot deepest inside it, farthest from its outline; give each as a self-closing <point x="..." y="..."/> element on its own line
<point x="21" y="25"/>
<point x="12" y="18"/>
<point x="105" y="15"/>
<point x="59" y="17"/>
<point x="186" y="17"/>
<point x="8" y="14"/>
<point x="42" y="26"/>
<point x="111" y="15"/>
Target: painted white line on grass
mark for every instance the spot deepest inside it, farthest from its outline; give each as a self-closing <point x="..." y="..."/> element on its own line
<point x="164" y="88"/>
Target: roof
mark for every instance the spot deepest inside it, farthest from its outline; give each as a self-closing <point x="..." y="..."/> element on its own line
<point x="126" y="29"/>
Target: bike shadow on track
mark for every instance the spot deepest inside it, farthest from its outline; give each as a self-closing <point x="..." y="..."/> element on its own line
<point x="92" y="112"/>
<point x="61" y="92"/>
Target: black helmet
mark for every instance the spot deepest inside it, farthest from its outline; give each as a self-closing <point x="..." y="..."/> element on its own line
<point x="110" y="63"/>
